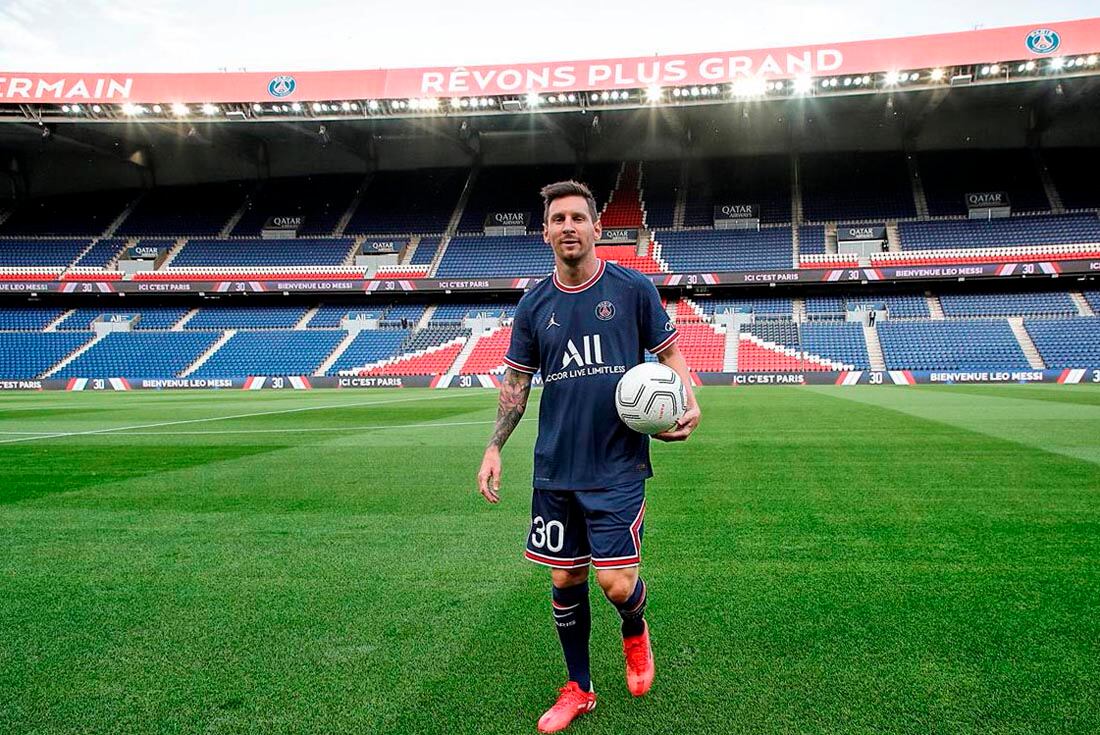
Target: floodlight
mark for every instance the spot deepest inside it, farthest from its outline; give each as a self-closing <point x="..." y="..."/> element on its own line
<point x="1057" y="62"/>
<point x="892" y="78"/>
<point x="64" y="108"/>
<point x="96" y="108"/>
<point x="129" y="108"/>
<point x="209" y="109"/>
<point x="994" y="68"/>
<point x="533" y="99"/>
<point x="345" y="106"/>
<point x="653" y="93"/>
<point x="296" y="106"/>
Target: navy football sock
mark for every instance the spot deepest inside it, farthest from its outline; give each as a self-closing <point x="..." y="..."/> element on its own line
<point x="573" y="618"/>
<point x="632" y="610"/>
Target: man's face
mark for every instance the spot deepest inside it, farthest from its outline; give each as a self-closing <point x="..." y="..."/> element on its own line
<point x="569" y="229"/>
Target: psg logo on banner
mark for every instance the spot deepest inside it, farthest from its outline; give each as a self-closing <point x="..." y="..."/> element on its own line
<point x="281" y="86"/>
<point x="605" y="310"/>
<point x="1043" y="41"/>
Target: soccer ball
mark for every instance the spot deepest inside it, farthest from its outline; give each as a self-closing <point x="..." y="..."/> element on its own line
<point x="650" y="398"/>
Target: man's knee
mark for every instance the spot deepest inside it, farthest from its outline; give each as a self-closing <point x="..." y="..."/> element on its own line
<point x="562" y="578"/>
<point x="618" y="584"/>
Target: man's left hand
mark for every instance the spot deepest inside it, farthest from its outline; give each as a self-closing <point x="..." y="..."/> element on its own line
<point x="684" y="426"/>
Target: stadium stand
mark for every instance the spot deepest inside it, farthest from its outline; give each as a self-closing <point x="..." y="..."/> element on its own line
<point x="369" y="347"/>
<point x="144" y="355"/>
<point x="1093" y="299"/>
<point x="1008" y="304"/>
<point x="270" y="353"/>
<point x="811" y="240"/>
<point x="770" y="308"/>
<point x="434" y="335"/>
<point x="457" y="312"/>
<point x="247" y="317"/>
<point x="152" y="317"/>
<point x="841" y="342"/>
<point x="425" y="251"/>
<point x="28" y="319"/>
<point x="25" y="355"/>
<point x="488" y="353"/>
<point x="624" y="208"/>
<point x="904" y="306"/>
<point x="1066" y="343"/>
<point x="660" y="189"/>
<point x="726" y="250"/>
<point x="1074" y="173"/>
<point x="48" y="253"/>
<point x="948" y="176"/>
<point x="185" y="210"/>
<point x="101" y="253"/>
<point x="600" y="178"/>
<point x="956" y="344"/>
<point x="432" y="360"/>
<point x="854" y="186"/>
<point x="319" y="200"/>
<point x="702" y="346"/>
<point x="763" y="180"/>
<point x="510" y="189"/>
<point x="255" y="252"/>
<point x="87" y="214"/>
<point x="1004" y="232"/>
<point x="471" y="256"/>
<point x="408" y="202"/>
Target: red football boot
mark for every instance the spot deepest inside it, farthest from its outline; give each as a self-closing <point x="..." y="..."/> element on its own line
<point x="639" y="662"/>
<point x="572" y="703"/>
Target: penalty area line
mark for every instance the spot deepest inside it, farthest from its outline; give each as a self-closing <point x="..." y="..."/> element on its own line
<point x="181" y="422"/>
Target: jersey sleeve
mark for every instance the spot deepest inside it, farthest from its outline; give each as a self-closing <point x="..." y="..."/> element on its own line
<point x="523" y="350"/>
<point x="658" y="331"/>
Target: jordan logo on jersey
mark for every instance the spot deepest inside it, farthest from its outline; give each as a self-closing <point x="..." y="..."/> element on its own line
<point x="593" y="352"/>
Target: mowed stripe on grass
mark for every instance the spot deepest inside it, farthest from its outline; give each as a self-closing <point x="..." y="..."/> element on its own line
<point x="816" y="565"/>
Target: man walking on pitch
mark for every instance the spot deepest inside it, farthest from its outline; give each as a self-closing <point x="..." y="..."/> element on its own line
<point x="584" y="327"/>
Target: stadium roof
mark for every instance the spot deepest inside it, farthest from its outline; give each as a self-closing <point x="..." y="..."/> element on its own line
<point x="1000" y="54"/>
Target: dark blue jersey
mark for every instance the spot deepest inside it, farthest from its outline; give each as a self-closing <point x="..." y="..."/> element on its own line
<point x="583" y="338"/>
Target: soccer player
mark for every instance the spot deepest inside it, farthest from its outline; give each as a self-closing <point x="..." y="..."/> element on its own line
<point x="584" y="327"/>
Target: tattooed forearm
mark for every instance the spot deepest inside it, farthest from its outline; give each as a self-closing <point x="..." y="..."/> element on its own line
<point x="513" y="400"/>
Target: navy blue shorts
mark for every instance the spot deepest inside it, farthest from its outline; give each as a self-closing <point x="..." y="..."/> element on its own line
<point x="574" y="528"/>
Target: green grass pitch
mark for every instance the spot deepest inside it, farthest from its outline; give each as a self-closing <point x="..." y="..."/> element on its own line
<point x="820" y="560"/>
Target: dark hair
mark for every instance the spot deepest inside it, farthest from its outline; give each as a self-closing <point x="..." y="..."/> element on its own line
<point x="560" y="189"/>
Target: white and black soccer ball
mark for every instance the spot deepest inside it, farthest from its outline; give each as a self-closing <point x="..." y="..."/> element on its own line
<point x="650" y="398"/>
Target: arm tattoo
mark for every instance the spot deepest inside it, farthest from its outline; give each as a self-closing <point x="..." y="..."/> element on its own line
<point x="513" y="400"/>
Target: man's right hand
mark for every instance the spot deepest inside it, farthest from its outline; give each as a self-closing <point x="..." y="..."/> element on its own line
<point x="488" y="479"/>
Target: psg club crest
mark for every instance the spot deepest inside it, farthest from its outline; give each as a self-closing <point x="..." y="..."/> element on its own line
<point x="281" y="86"/>
<point x="1043" y="41"/>
<point x="605" y="310"/>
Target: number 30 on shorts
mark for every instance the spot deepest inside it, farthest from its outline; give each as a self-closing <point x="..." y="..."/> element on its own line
<point x="549" y="536"/>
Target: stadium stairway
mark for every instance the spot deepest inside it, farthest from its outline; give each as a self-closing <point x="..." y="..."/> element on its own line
<point x="201" y="359"/>
<point x="729" y="359"/>
<point x="464" y="355"/>
<point x="303" y="323"/>
<point x="935" y="308"/>
<point x="173" y="252"/>
<point x="345" y="218"/>
<point x="178" y="326"/>
<point x="874" y="348"/>
<point x="1027" y="346"/>
<point x="920" y="201"/>
<point x="113" y="227"/>
<point x="624" y="207"/>
<point x="1053" y="197"/>
<point x="52" y="326"/>
<point x="488" y="354"/>
<point x="1082" y="304"/>
<point x="73" y="355"/>
<point x="336" y="353"/>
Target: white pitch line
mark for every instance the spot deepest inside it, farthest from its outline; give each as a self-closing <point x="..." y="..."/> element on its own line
<point x="109" y="430"/>
<point x="319" y="429"/>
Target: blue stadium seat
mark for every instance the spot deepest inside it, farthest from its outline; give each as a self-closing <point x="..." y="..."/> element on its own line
<point x="140" y="355"/>
<point x="25" y="355"/>
<point x="271" y="353"/>
<point x="727" y="250"/>
<point x="1066" y="343"/>
<point x="956" y="344"/>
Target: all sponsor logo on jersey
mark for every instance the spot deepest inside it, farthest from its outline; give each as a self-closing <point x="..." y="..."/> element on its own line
<point x="1043" y="41"/>
<point x="281" y="86"/>
<point x="593" y="352"/>
<point x="605" y="310"/>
